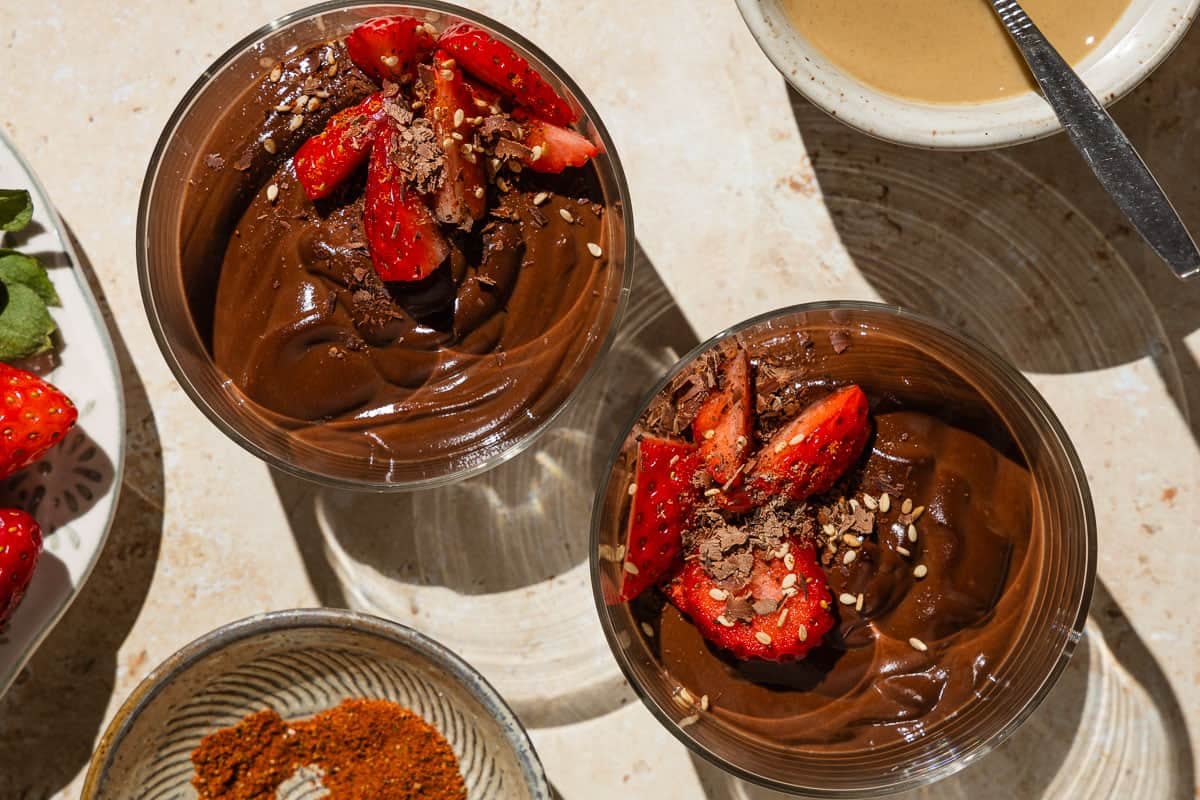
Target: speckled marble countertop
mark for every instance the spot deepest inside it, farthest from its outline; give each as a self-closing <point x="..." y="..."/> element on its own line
<point x="746" y="199"/>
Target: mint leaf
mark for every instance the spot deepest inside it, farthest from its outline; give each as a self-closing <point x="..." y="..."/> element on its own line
<point x="25" y="324"/>
<point x="19" y="268"/>
<point x="16" y="209"/>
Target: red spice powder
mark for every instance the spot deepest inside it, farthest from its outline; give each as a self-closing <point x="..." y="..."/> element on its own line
<point x="365" y="748"/>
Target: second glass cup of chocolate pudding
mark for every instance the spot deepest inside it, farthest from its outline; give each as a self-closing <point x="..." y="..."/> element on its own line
<point x="383" y="245"/>
<point x="843" y="550"/>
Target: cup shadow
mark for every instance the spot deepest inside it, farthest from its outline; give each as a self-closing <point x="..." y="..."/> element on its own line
<point x="1110" y="728"/>
<point x="496" y="566"/>
<point x="54" y="711"/>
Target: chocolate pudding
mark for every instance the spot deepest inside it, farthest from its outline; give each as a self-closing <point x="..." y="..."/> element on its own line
<point x="449" y="369"/>
<point x="936" y="582"/>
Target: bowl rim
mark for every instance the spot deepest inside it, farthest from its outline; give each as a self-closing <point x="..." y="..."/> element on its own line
<point x="316" y="618"/>
<point x="167" y="347"/>
<point x="979" y="126"/>
<point x="1038" y="405"/>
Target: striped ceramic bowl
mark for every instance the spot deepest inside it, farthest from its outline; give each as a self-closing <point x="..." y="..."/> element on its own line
<point x="299" y="663"/>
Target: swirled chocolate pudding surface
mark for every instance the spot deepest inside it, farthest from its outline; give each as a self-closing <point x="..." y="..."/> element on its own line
<point x="452" y="364"/>
<point x="925" y="544"/>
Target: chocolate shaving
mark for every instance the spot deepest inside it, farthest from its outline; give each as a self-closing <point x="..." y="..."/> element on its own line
<point x="499" y="125"/>
<point x="840" y="340"/>
<point x="214" y="161"/>
<point x="244" y="161"/>
<point x="508" y="149"/>
<point x="739" y="609"/>
<point x="419" y="157"/>
<point x="765" y="606"/>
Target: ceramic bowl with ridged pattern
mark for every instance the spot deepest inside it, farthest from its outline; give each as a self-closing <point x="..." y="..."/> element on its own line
<point x="301" y="662"/>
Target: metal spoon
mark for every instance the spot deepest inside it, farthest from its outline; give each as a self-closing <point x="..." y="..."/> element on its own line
<point x="1107" y="151"/>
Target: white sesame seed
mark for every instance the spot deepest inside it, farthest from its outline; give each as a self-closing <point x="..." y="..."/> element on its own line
<point x="904" y="551"/>
<point x="779" y="446"/>
<point x="763" y="638"/>
<point x="459" y="116"/>
<point x="912" y="533"/>
<point x="540" y="198"/>
<point x="428" y="28"/>
<point x="723" y="620"/>
<point x="516" y="166"/>
<point x="691" y="719"/>
<point x="619" y="553"/>
<point x="710" y="433"/>
<point x="447" y="74"/>
<point x="906" y="506"/>
<point x="795" y="440"/>
<point x="269" y="145"/>
<point x="686" y="696"/>
<point x="782" y="616"/>
<point x="846" y="599"/>
<point x="295" y="122"/>
<point x="789" y="560"/>
<point x="828" y="530"/>
<point x="632" y="489"/>
<point x="480" y="102"/>
<point x="456" y="136"/>
<point x="792" y="592"/>
<point x="594" y="249"/>
<point x="850" y="540"/>
<point x="630" y="567"/>
<point x="479" y="193"/>
<point x="314" y="103"/>
<point x="447" y="143"/>
<point x="870" y="502"/>
<point x="917" y="512"/>
<point x="704" y="702"/>
<point x="675" y="457"/>
<point x="272" y="192"/>
<point x="802" y="633"/>
<point x="648" y="629"/>
<point x="718" y="594"/>
<point x="741" y="441"/>
<point x="854" y="505"/>
<point x="301" y="102"/>
<point x="502" y="184"/>
<point x="920" y="571"/>
<point x="712" y="492"/>
<point x="858" y="602"/>
<point x="324" y="95"/>
<point x="536" y="152"/>
<point x="562" y="212"/>
<point x="282" y="107"/>
<point x="789" y="581"/>
<point x="277" y="73"/>
<point x="885" y="502"/>
<point x="850" y="556"/>
<point x="917" y="644"/>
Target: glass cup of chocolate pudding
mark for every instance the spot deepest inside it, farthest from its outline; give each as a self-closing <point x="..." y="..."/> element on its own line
<point x="267" y="309"/>
<point x="956" y="603"/>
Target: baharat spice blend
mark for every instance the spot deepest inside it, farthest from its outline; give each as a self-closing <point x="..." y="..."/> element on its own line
<point x="362" y="749"/>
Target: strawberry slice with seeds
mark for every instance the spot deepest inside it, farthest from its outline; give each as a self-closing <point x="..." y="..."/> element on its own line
<point x="20" y="548"/>
<point x="663" y="499"/>
<point x="388" y="48"/>
<point x="791" y="589"/>
<point x="404" y="239"/>
<point x="810" y="453"/>
<point x="326" y="160"/>
<point x="461" y="200"/>
<point x="553" y="148"/>
<point x="500" y="67"/>
<point x="34" y="416"/>
<point x="724" y="423"/>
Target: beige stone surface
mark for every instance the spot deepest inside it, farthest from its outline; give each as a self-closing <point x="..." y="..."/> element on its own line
<point x="745" y="199"/>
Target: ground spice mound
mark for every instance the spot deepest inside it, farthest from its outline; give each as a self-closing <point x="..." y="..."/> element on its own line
<point x="364" y="748"/>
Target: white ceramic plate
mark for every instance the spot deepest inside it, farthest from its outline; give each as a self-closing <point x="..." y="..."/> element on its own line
<point x="73" y="491"/>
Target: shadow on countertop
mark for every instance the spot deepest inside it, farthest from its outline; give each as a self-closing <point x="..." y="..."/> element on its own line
<point x="53" y="714"/>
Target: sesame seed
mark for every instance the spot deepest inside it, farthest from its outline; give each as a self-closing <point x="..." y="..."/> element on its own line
<point x="480" y="102"/>
<point x="301" y="102"/>
<point x="619" y="553"/>
<point x="686" y="696"/>
<point x="540" y="198"/>
<point x="704" y="702"/>
<point x="417" y="104"/>
<point x="912" y="533"/>
<point x="906" y="506"/>
<point x="675" y="457"/>
<point x="741" y="441"/>
<point x="314" y="103"/>
<point x="828" y="530"/>
<point x="854" y="505"/>
<point x="885" y="502"/>
<point x="789" y="560"/>
<point x="324" y="95"/>
<point x="516" y="166"/>
<point x="447" y="143"/>
<point x="447" y="74"/>
<point x="277" y="73"/>
<point x="479" y="193"/>
<point x="920" y="571"/>
<point x="536" y="153"/>
<point x="449" y="63"/>
<point x="763" y="638"/>
<point x="917" y="644"/>
<point x="272" y="192"/>
<point x="802" y="633"/>
<point x="850" y="540"/>
<point x="283" y="107"/>
<point x="459" y="116"/>
<point x="710" y="433"/>
<point x="904" y="551"/>
<point x="648" y="629"/>
<point x="850" y="556"/>
<point x="789" y="581"/>
<point x="456" y="136"/>
<point x="594" y="249"/>
<point x="823" y="603"/>
<point x="632" y="489"/>
<point x="630" y="567"/>
<point x="779" y="447"/>
<point x="295" y="122"/>
<point x="723" y="620"/>
<point x="718" y="594"/>
<point x="333" y="70"/>
<point x="269" y="145"/>
<point x="782" y="616"/>
<point x="562" y="212"/>
<point x="917" y="512"/>
<point x="432" y="31"/>
<point x="858" y="602"/>
<point x="691" y="719"/>
<point x="795" y="440"/>
<point x="792" y="592"/>
<point x="870" y="502"/>
<point x="712" y="492"/>
<point x="846" y="599"/>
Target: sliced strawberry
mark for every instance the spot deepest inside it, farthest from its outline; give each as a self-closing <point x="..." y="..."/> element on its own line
<point x="799" y="617"/>
<point x="663" y="499"/>
<point x="499" y="66"/>
<point x="329" y="158"/>
<point x="810" y="453"/>
<point x="20" y="547"/>
<point x="460" y="200"/>
<point x="724" y="424"/>
<point x="389" y="47"/>
<point x="34" y="416"/>
<point x="403" y="236"/>
<point x="554" y="148"/>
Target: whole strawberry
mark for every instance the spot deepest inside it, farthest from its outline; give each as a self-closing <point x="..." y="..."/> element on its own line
<point x="20" y="547"/>
<point x="34" y="416"/>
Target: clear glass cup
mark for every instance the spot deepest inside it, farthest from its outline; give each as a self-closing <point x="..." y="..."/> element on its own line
<point x="955" y="372"/>
<point x="182" y="235"/>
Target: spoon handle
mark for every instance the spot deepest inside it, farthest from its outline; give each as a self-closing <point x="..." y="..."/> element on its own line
<point x="1105" y="148"/>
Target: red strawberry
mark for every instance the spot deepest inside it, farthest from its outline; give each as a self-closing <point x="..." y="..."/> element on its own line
<point x="20" y="547"/>
<point x="663" y="499"/>
<point x="499" y="66"/>
<point x="34" y="417"/>
<point x="798" y="621"/>
<point x="810" y="453"/>
<point x="554" y="148"/>
<point x="724" y="424"/>
<point x="404" y="239"/>
<point x="460" y="200"/>
<point x="327" y="159"/>
<point x="389" y="47"/>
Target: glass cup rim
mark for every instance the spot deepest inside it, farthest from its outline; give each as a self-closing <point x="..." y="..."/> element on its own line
<point x="167" y="347"/>
<point x="1045" y="416"/>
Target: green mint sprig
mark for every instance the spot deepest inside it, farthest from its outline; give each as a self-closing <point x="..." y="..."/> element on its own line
<point x="25" y="288"/>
